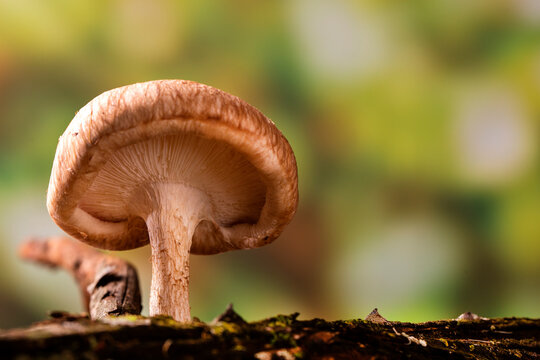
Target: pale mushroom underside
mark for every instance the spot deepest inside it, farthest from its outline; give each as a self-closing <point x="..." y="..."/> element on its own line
<point x="232" y="185"/>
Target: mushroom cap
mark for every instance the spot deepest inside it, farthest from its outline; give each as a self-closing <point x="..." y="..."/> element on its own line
<point x="133" y="114"/>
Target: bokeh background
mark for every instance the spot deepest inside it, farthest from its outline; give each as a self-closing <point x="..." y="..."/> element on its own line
<point x="415" y="125"/>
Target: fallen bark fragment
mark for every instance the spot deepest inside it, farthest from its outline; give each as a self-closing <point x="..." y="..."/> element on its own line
<point x="375" y="317"/>
<point x="109" y="285"/>
<point x="229" y="316"/>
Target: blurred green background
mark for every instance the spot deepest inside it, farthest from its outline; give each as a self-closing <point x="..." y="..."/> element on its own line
<point x="415" y="125"/>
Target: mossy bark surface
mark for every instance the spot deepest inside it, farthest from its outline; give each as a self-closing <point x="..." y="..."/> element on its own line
<point x="280" y="337"/>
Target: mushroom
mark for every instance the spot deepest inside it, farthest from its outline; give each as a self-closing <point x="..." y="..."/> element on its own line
<point x="177" y="164"/>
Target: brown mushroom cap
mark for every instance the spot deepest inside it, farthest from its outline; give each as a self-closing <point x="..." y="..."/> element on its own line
<point x="173" y="131"/>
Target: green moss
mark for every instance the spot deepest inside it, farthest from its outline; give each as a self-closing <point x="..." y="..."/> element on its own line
<point x="282" y="339"/>
<point x="225" y="327"/>
<point x="281" y="320"/>
<point x="239" y="347"/>
<point x="129" y="317"/>
<point x="166" y="321"/>
<point x="92" y="342"/>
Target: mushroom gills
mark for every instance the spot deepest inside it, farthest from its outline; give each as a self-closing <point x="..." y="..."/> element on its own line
<point x="232" y="185"/>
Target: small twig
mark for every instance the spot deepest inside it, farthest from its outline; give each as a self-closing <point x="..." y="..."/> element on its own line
<point x="502" y="332"/>
<point x="477" y="341"/>
<point x="109" y="285"/>
<point x="411" y="339"/>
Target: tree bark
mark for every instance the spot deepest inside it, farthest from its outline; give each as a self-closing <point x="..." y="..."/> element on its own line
<point x="280" y="337"/>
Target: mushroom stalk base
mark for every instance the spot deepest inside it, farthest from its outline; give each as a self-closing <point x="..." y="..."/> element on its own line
<point x="175" y="212"/>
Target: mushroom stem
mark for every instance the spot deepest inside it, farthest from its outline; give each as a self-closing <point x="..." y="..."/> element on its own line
<point x="176" y="211"/>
